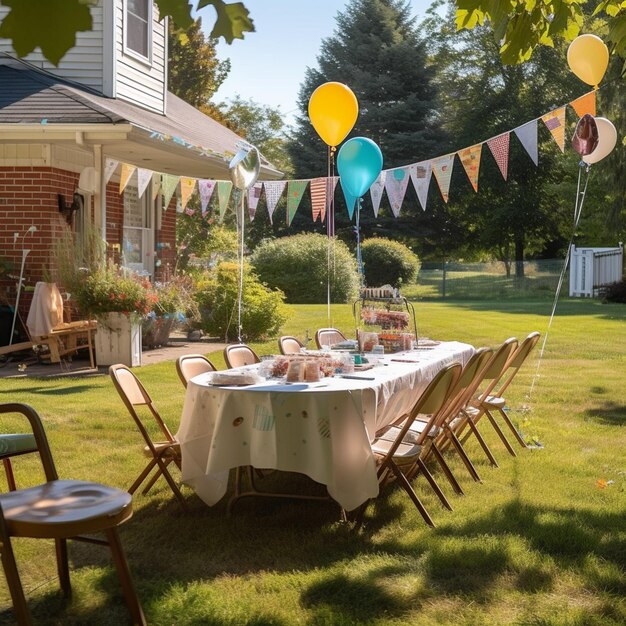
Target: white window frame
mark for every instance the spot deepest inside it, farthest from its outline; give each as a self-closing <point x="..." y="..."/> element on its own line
<point x="125" y="47"/>
<point x="146" y="231"/>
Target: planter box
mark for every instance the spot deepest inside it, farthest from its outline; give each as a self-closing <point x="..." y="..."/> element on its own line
<point x="118" y="340"/>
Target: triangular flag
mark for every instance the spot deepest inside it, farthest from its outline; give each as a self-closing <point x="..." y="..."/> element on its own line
<point x="143" y="180"/>
<point x="396" y="182"/>
<point x="110" y="165"/>
<point x="169" y="182"/>
<point x="376" y="191"/>
<point x="127" y="172"/>
<point x="350" y="201"/>
<point x="318" y="196"/>
<point x="273" y="191"/>
<point x="442" y="169"/>
<point x="224" y="188"/>
<point x="585" y="104"/>
<point x="295" y="191"/>
<point x="330" y="195"/>
<point x="555" y="122"/>
<point x="499" y="147"/>
<point x="527" y="134"/>
<point x="205" y="188"/>
<point x="470" y="158"/>
<point x="421" y="173"/>
<point x="156" y="186"/>
<point x="187" y="185"/>
<point x="254" y="195"/>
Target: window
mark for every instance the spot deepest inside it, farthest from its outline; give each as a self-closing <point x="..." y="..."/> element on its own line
<point x="138" y="239"/>
<point x="138" y="25"/>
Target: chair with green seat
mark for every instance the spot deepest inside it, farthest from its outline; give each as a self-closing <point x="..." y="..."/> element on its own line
<point x="15" y="445"/>
<point x="60" y="510"/>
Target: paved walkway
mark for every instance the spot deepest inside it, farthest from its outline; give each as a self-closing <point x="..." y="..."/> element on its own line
<point x="25" y="365"/>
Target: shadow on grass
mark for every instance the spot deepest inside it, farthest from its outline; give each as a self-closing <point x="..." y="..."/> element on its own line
<point x="51" y="391"/>
<point x="609" y="413"/>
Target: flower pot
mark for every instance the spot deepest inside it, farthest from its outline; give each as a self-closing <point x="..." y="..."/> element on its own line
<point x="156" y="332"/>
<point x="118" y="340"/>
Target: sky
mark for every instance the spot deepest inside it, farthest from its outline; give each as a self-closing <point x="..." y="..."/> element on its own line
<point x="268" y="65"/>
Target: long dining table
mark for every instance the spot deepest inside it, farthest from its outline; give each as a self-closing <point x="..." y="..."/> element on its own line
<point x="321" y="429"/>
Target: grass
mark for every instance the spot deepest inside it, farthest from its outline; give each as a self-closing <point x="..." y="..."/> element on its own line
<point x="538" y="543"/>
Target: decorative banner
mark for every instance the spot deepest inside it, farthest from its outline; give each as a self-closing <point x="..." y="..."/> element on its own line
<point x="110" y="165"/>
<point x="224" y="188"/>
<point x="376" y="191"/>
<point x="318" y="197"/>
<point x="295" y="191"/>
<point x="169" y="182"/>
<point x="330" y="194"/>
<point x="156" y="186"/>
<point x="470" y="158"/>
<point x="205" y="188"/>
<point x="273" y="191"/>
<point x="187" y="185"/>
<point x="143" y="180"/>
<point x="125" y="176"/>
<point x="254" y="195"/>
<point x="396" y="182"/>
<point x="555" y="122"/>
<point x="527" y="134"/>
<point x="442" y="168"/>
<point x="499" y="147"/>
<point x="585" y="104"/>
<point x="421" y="174"/>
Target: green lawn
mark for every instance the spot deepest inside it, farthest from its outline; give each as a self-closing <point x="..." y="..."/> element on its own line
<point x="539" y="542"/>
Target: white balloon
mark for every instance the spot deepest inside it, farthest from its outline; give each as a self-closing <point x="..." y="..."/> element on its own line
<point x="607" y="138"/>
<point x="244" y="168"/>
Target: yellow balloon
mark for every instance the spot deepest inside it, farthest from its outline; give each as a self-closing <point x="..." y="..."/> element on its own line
<point x="333" y="109"/>
<point x="588" y="58"/>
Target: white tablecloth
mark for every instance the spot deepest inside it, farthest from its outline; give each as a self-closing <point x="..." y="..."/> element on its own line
<point x="320" y="429"/>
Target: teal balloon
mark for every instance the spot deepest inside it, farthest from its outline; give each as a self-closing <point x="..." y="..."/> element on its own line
<point x="359" y="163"/>
<point x="350" y="201"/>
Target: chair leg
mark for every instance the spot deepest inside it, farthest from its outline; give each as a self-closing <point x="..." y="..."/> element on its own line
<point x="514" y="430"/>
<point x="9" y="565"/>
<point x="172" y="484"/>
<point x="126" y="581"/>
<point x="433" y="483"/>
<point x="447" y="471"/>
<point x="496" y="427"/>
<point x="483" y="443"/>
<point x="142" y="476"/>
<point x="153" y="480"/>
<point x="63" y="568"/>
<point x="406" y="485"/>
<point x="452" y="438"/>
<point x="8" y="469"/>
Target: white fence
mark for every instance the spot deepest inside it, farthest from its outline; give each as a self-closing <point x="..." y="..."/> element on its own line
<point x="592" y="268"/>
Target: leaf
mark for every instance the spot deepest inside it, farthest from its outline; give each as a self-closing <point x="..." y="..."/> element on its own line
<point x="233" y="20"/>
<point x="179" y="10"/>
<point x="48" y="24"/>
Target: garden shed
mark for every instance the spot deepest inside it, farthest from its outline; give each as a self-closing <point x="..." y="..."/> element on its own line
<point x="594" y="268"/>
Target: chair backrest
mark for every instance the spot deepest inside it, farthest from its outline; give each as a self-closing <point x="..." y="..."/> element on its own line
<point x="239" y="354"/>
<point x="328" y="337"/>
<point x="289" y="345"/>
<point x="134" y="394"/>
<point x="497" y="366"/>
<point x="190" y="365"/>
<point x="517" y="360"/>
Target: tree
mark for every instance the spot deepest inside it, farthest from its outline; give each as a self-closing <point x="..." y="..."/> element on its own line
<point x="52" y="24"/>
<point x="375" y="50"/>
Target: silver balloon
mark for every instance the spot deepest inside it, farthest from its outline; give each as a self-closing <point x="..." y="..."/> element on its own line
<point x="244" y="168"/>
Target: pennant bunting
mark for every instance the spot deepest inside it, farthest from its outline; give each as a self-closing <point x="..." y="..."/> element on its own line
<point x="205" y="189"/>
<point x="110" y="165"/>
<point x="585" y="104"/>
<point x="273" y="191"/>
<point x="295" y="191"/>
<point x="169" y="182"/>
<point x="330" y="195"/>
<point x="224" y="188"/>
<point x="499" y="147"/>
<point x="421" y="173"/>
<point x="143" y="180"/>
<point x="555" y="123"/>
<point x="442" y="169"/>
<point x="396" y="182"/>
<point x="187" y="186"/>
<point x="527" y="134"/>
<point x="156" y="186"/>
<point x="470" y="158"/>
<point x="319" y="187"/>
<point x="350" y="201"/>
<point x="376" y="191"/>
<point x="125" y="176"/>
<point x="254" y="195"/>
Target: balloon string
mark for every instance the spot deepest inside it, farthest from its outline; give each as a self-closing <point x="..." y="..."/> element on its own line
<point x="329" y="234"/>
<point x="578" y="207"/>
<point x="240" y="225"/>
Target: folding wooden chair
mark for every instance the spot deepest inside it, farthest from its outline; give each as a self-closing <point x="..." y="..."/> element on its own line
<point x="328" y="337"/>
<point x="162" y="453"/>
<point x="61" y="510"/>
<point x="395" y="456"/>
<point x="289" y="345"/>
<point x="190" y="365"/>
<point x="239" y="354"/>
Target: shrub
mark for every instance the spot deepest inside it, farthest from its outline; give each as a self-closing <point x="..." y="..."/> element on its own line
<point x="298" y="265"/>
<point x="615" y="293"/>
<point x="263" y="310"/>
<point x="388" y="262"/>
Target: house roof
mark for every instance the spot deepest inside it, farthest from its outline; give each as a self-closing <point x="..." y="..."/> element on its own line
<point x="183" y="138"/>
